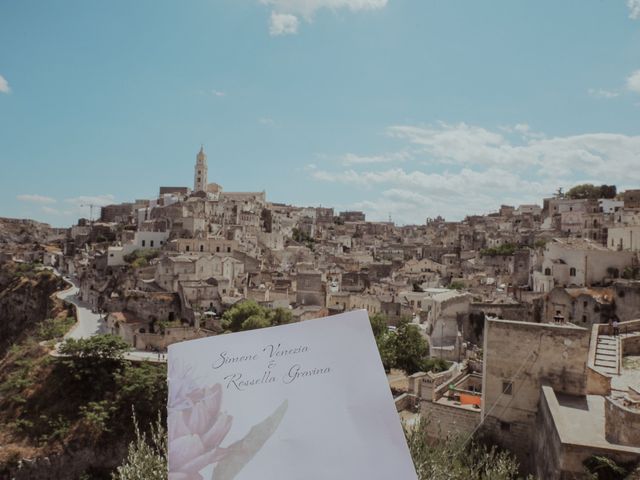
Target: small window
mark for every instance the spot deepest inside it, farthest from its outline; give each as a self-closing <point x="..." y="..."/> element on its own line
<point x="217" y="249"/>
<point x="187" y="249"/>
<point x="585" y="304"/>
<point x="507" y="388"/>
<point x="151" y="243"/>
<point x="572" y="272"/>
<point x="202" y="248"/>
<point x="144" y="242"/>
<point x="228" y="249"/>
<point x="547" y="271"/>
<point x="584" y="319"/>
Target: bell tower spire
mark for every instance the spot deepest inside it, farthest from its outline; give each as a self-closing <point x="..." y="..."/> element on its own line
<point x="200" y="171"/>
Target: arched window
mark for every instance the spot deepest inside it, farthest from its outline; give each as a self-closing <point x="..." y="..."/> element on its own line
<point x="547" y="271"/>
<point x="572" y="272"/>
<point x="202" y="248"/>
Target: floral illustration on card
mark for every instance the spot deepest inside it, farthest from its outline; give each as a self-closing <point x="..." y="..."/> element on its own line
<point x="198" y="426"/>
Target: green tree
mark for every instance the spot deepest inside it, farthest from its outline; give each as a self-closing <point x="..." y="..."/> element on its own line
<point x="233" y="319"/>
<point x="387" y="346"/>
<point x="457" y="285"/>
<point x="379" y="324"/>
<point x="98" y="347"/>
<point x="97" y="357"/>
<point x="281" y="316"/>
<point x="248" y="315"/>
<point x="590" y="191"/>
<point x="256" y="321"/>
<point x="143" y="385"/>
<point x="411" y="348"/>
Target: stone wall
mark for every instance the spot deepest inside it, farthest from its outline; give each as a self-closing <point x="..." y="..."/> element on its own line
<point x="518" y="359"/>
<point x="622" y="425"/>
<point x="444" y="420"/>
<point x="627" y="299"/>
<point x="630" y="345"/>
<point x="547" y="443"/>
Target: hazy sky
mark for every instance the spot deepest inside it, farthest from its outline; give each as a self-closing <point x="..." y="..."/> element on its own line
<point x="408" y="108"/>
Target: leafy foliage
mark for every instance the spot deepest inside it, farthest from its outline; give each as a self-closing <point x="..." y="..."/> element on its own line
<point x="378" y="324"/>
<point x="147" y="457"/>
<point x="98" y="347"/>
<point x="53" y="328"/>
<point x="590" y="191"/>
<point x="411" y="348"/>
<point x="140" y="258"/>
<point x="403" y="348"/>
<point x="540" y="243"/>
<point x="248" y="315"/>
<point x="452" y="459"/>
<point x="631" y="273"/>
<point x="302" y="237"/>
<point x="456" y="285"/>
<point x="604" y="468"/>
<point x="503" y="250"/>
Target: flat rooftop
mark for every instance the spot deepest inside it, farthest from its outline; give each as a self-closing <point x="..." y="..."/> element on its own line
<point x="580" y="420"/>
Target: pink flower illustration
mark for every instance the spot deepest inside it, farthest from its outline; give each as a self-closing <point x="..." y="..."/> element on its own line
<point x="196" y="427"/>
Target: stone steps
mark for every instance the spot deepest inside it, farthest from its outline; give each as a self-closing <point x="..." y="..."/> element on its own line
<point x="607" y="354"/>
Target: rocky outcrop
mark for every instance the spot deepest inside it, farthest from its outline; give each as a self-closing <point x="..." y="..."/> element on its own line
<point x="25" y="301"/>
<point x="70" y="465"/>
<point x="21" y="231"/>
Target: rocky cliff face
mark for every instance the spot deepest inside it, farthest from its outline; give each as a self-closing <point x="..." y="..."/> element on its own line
<point x="24" y="300"/>
<point x="21" y="231"/>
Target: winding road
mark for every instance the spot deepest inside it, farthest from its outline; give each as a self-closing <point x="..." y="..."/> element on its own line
<point x="89" y="324"/>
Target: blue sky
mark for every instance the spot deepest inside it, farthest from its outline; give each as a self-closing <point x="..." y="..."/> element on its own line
<point x="408" y="108"/>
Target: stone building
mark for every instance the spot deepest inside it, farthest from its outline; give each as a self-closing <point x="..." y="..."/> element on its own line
<point x="556" y="395"/>
<point x="519" y="358"/>
<point x="580" y="263"/>
<point x="310" y="288"/>
<point x="581" y="306"/>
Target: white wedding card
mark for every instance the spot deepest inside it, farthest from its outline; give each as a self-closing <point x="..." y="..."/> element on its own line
<point x="304" y="401"/>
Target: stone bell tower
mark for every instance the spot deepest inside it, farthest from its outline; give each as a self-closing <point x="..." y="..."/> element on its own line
<point x="200" y="172"/>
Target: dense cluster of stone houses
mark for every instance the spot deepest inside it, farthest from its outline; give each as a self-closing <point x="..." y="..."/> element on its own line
<point x="519" y="300"/>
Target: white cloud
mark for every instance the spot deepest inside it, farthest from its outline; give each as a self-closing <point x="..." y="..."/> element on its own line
<point x="602" y="93"/>
<point x="353" y="159"/>
<point x="604" y="155"/>
<point x="55" y="211"/>
<point x="34" y="198"/>
<point x="634" y="9"/>
<point x="633" y="81"/>
<point x="283" y="24"/>
<point x="4" y="85"/>
<point x="470" y="169"/>
<point x="286" y="14"/>
<point x="97" y="200"/>
<point x="266" y="121"/>
<point x="218" y="93"/>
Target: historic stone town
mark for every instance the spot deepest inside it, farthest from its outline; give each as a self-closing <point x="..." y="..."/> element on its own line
<point x="530" y="314"/>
